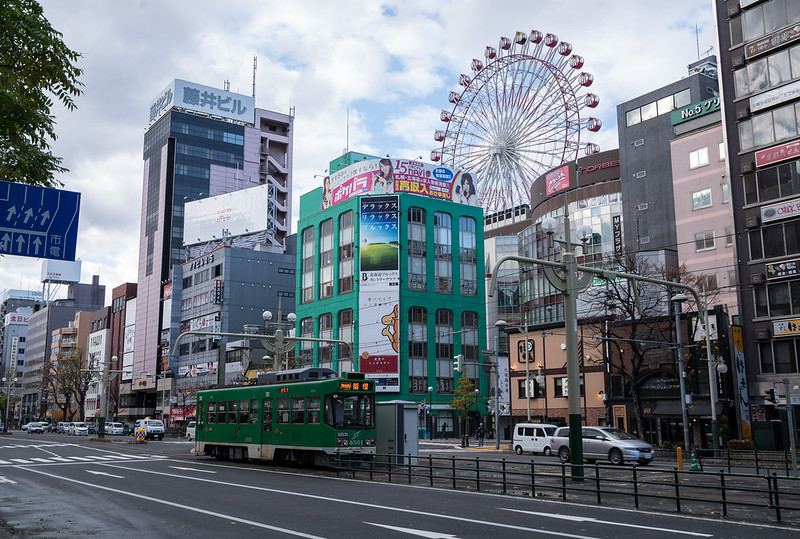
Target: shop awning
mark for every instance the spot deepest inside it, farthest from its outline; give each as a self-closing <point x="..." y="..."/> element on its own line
<point x="700" y="409"/>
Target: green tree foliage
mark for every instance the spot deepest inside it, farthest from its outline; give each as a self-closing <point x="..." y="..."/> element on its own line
<point x="464" y="397"/>
<point x="35" y="67"/>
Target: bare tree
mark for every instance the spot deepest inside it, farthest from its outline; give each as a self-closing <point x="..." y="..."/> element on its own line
<point x="66" y="379"/>
<point x="637" y="321"/>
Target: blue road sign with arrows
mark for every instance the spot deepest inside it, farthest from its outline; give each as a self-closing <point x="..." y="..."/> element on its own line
<point x="38" y="221"/>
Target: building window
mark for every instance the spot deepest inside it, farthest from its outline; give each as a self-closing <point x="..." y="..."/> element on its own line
<point x="726" y="193"/>
<point x="707" y="282"/>
<point x="701" y="199"/>
<point x="704" y="240"/>
<point x="698" y="158"/>
<point x="308" y="265"/>
<point x="326" y="259"/>
<point x="443" y="252"/>
<point x="346" y="334"/>
<point x="417" y="249"/>
<point x="728" y="236"/>
<point x="326" y="332"/>
<point x="537" y="390"/>
<point x="417" y="350"/>
<point x="769" y="127"/>
<point x="444" y="351"/>
<point x="562" y="389"/>
<point x="779" y="356"/>
<point x="772" y="183"/>
<point x="346" y="252"/>
<point x="468" y="256"/>
<point x="469" y="342"/>
<point x="775" y="241"/>
<point x="777" y="299"/>
<point x="306" y="347"/>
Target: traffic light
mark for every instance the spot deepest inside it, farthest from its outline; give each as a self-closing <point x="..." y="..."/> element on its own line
<point x="458" y="363"/>
<point x="772" y="395"/>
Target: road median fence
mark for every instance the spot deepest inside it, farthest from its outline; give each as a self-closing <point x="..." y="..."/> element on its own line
<point x="766" y="497"/>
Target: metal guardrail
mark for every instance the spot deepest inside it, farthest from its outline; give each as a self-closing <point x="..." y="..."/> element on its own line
<point x="747" y="458"/>
<point x="742" y="496"/>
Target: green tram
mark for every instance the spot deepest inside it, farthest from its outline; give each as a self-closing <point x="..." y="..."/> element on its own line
<point x="295" y="416"/>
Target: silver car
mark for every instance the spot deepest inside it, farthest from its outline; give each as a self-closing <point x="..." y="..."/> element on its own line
<point x="604" y="443"/>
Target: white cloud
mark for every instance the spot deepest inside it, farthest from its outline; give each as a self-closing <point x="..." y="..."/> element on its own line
<point x="391" y="63"/>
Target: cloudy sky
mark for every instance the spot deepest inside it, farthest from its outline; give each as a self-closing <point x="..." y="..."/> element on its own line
<point x="390" y="63"/>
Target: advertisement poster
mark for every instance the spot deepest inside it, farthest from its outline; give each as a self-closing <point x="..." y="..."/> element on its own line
<point x="741" y="382"/>
<point x="379" y="293"/>
<point x="386" y="176"/>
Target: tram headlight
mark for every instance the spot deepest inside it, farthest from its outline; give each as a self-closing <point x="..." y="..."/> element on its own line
<point x="342" y="442"/>
<point x="370" y="442"/>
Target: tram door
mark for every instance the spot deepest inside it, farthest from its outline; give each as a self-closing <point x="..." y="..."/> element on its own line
<point x="266" y="429"/>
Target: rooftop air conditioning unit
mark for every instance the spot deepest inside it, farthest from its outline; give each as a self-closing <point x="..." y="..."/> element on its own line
<point x="757" y="278"/>
<point x="762" y="334"/>
<point x="752" y="222"/>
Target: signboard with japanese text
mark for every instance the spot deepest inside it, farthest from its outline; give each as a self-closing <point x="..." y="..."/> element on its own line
<point x="776" y="96"/>
<point x="778" y="153"/>
<point x="695" y="111"/>
<point x="386" y="176"/>
<point x="781" y="210"/>
<point x="38" y="222"/>
<point x="379" y="291"/>
<point x="787" y="268"/>
<point x="741" y="381"/>
<point x="772" y="41"/>
<point x="783" y="328"/>
<point x="199" y="98"/>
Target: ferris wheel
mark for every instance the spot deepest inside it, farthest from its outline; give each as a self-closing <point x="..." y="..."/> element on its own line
<point x="518" y="116"/>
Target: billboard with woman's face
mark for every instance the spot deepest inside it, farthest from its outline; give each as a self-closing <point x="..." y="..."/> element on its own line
<point x="386" y="176"/>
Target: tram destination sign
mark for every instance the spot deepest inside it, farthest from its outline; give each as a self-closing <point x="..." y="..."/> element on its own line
<point x="38" y="222"/>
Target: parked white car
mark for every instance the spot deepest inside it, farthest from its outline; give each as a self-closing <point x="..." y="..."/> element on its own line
<point x="190" y="428"/>
<point x="114" y="428"/>
<point x="79" y="428"/>
<point x="533" y="437"/>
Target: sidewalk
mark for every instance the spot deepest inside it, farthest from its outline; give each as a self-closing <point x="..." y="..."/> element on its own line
<point x="455" y="444"/>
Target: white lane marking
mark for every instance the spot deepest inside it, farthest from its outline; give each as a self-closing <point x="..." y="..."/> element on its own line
<point x="346" y="502"/>
<point x="82" y="459"/>
<point x="4" y="462"/>
<point x="598" y="521"/>
<point x="7" y="480"/>
<point x="178" y="505"/>
<point x="412" y="531"/>
<point x="40" y="459"/>
<point x="21" y="461"/>
<point x="192" y="469"/>
<point x="105" y="473"/>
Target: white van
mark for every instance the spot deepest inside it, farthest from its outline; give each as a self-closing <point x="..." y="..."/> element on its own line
<point x="533" y="437"/>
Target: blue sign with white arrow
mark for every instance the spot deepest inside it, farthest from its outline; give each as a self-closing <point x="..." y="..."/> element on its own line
<point x="38" y="221"/>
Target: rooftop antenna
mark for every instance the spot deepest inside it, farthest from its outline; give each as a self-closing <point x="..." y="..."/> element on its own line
<point x="697" y="38"/>
<point x="255" y="66"/>
<point x="226" y="85"/>
<point x="347" y="136"/>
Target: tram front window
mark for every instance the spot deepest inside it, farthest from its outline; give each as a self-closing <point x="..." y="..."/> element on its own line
<point x="350" y="411"/>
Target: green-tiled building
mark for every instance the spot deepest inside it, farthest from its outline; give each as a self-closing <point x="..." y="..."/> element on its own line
<point x="401" y="275"/>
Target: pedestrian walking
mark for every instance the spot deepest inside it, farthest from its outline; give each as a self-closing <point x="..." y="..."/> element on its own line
<point x="481" y="432"/>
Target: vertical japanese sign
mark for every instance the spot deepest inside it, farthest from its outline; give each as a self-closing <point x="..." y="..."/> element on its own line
<point x="379" y="294"/>
<point x="741" y="382"/>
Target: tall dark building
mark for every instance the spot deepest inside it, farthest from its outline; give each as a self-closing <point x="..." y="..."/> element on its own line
<point x="759" y="44"/>
<point x="201" y="142"/>
<point x="645" y="131"/>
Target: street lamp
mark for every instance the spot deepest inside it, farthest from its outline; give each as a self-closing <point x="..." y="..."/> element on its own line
<point x="280" y="345"/>
<point x="8" y="381"/>
<point x="712" y="378"/>
<point x="564" y="279"/>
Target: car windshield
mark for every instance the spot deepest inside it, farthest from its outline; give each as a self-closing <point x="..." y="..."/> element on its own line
<point x="155" y="423"/>
<point x="620" y="434"/>
<point x="80" y="425"/>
